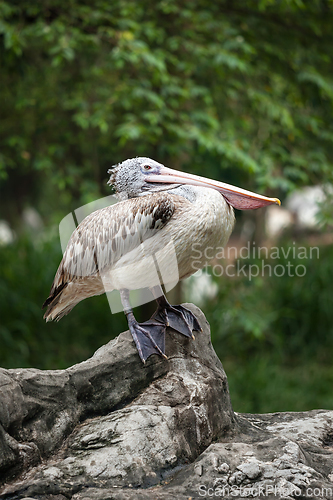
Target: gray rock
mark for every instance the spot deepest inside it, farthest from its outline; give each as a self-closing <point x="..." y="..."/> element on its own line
<point x="250" y="469"/>
<point x="113" y="428"/>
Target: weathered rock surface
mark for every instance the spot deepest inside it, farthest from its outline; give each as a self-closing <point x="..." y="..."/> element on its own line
<point x="112" y="428"/>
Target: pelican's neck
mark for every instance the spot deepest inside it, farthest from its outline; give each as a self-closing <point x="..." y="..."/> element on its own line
<point x="189" y="192"/>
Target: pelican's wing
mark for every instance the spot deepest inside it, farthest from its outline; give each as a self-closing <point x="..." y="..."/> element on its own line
<point x="103" y="237"/>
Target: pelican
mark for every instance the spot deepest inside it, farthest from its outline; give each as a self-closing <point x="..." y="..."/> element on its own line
<point x="160" y="213"/>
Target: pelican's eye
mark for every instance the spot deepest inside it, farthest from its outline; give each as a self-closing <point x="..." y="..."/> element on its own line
<point x="147" y="167"/>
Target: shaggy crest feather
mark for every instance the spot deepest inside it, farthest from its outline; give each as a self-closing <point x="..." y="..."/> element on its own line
<point x="113" y="174"/>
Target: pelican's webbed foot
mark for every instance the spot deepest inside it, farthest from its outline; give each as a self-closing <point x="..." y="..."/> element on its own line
<point x="149" y="337"/>
<point x="177" y="317"/>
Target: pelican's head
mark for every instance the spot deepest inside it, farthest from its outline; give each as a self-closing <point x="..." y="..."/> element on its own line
<point x="139" y="176"/>
<point x="131" y="178"/>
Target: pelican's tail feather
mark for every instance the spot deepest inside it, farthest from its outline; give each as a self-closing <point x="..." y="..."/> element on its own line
<point x="56" y="308"/>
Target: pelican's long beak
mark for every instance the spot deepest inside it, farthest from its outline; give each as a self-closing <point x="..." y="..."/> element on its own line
<point x="236" y="197"/>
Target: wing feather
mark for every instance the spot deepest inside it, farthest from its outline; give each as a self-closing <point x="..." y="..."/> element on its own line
<point x="106" y="235"/>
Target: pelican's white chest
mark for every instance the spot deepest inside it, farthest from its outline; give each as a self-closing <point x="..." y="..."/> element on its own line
<point x="201" y="230"/>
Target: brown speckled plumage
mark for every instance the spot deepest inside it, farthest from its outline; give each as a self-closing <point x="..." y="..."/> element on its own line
<point x="97" y="242"/>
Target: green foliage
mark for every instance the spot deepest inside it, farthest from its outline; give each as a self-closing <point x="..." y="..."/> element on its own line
<point x="26" y="273"/>
<point x="277" y="311"/>
<point x="274" y="334"/>
<point x="244" y="88"/>
<point x="262" y="385"/>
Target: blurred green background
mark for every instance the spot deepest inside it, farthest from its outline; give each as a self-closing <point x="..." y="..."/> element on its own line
<point x="239" y="91"/>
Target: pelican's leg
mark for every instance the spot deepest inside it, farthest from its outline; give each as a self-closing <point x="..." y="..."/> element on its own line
<point x="149" y="337"/>
<point x="177" y="317"/>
